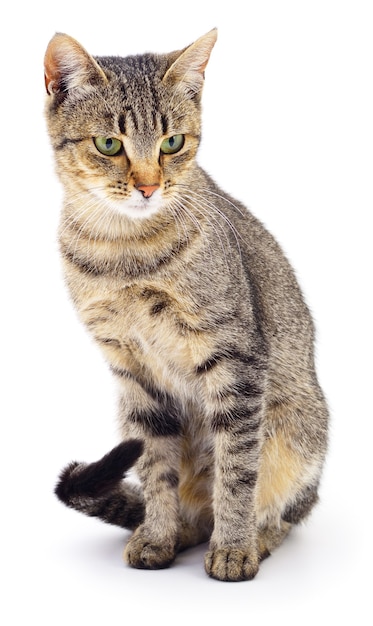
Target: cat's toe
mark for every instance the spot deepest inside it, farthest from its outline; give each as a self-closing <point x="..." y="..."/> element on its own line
<point x="143" y="553"/>
<point x="231" y="565"/>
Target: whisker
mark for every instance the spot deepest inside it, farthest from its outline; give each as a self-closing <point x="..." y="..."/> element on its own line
<point x="187" y="213"/>
<point x="96" y="212"/>
<point x="211" y="205"/>
<point x="189" y="208"/>
<point x="205" y="205"/>
<point x="225" y="199"/>
<point x="96" y="215"/>
<point x="74" y="220"/>
<point x="215" y="226"/>
<point x="180" y="222"/>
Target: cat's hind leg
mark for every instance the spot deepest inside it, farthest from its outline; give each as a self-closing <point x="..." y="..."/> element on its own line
<point x="302" y="506"/>
<point x="195" y="487"/>
<point x="270" y="537"/>
<point x="291" y="462"/>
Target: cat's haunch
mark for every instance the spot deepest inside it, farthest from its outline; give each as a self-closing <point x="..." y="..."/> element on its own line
<point x="197" y="312"/>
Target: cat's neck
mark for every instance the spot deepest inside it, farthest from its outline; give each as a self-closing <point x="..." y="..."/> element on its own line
<point x="116" y="245"/>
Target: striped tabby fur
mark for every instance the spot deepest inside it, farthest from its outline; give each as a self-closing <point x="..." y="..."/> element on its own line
<point x="197" y="312"/>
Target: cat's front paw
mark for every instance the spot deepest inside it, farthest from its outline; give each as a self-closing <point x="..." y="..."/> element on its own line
<point x="231" y="564"/>
<point x="144" y="553"/>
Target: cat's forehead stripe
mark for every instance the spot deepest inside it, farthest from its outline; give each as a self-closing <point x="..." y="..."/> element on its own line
<point x="122" y="123"/>
<point x="140" y="88"/>
<point x="164" y="124"/>
<point x="153" y="120"/>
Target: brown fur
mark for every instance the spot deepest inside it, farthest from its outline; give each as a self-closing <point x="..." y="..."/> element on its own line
<point x="196" y="310"/>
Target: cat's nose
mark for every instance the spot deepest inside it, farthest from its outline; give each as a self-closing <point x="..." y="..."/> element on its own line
<point x="147" y="190"/>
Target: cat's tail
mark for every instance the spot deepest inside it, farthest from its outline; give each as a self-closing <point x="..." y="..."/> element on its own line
<point x="98" y="489"/>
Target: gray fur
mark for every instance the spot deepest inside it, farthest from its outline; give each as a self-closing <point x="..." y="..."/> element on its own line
<point x="197" y="311"/>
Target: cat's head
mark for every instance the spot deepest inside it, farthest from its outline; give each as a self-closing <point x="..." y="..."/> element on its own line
<point x="125" y="130"/>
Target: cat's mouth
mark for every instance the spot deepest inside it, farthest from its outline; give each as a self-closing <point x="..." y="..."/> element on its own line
<point x="134" y="205"/>
<point x="138" y="205"/>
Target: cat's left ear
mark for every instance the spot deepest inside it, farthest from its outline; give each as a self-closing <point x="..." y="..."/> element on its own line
<point x="68" y="68"/>
<point x="188" y="71"/>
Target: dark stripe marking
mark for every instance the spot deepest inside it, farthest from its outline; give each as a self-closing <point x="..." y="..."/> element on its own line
<point x="243" y="445"/>
<point x="160" y="422"/>
<point x="209" y="364"/>
<point x="170" y="478"/>
<point x="109" y="342"/>
<point x="256" y="362"/>
<point x="164" y="124"/>
<point x="180" y="158"/>
<point x="247" y="389"/>
<point x="228" y="420"/>
<point x="122" y="373"/>
<point x="158" y="307"/>
<point x="133" y="116"/>
<point x="122" y="123"/>
<point x="296" y="512"/>
<point x="84" y="266"/>
<point x="247" y="479"/>
<point x="123" y="265"/>
<point x="66" y="141"/>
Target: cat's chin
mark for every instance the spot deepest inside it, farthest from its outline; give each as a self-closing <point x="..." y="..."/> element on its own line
<point x="137" y="207"/>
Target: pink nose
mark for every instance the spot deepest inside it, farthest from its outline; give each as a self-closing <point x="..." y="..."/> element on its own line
<point x="147" y="190"/>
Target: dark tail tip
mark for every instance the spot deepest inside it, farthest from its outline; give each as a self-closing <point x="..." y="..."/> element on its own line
<point x="96" y="479"/>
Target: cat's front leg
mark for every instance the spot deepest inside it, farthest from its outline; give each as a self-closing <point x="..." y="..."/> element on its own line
<point x="154" y="418"/>
<point x="154" y="544"/>
<point x="237" y="425"/>
<point x="152" y="415"/>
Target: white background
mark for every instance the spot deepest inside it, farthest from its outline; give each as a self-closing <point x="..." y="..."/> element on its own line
<point x="288" y="129"/>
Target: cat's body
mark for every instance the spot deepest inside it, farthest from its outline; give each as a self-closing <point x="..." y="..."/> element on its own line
<point x="197" y="312"/>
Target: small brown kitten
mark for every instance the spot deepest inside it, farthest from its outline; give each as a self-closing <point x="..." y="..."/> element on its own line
<point x="195" y="308"/>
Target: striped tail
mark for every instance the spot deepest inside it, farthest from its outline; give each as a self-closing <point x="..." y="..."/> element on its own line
<point x="98" y="489"/>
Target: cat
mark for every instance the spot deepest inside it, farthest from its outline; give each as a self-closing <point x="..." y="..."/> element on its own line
<point x="197" y="312"/>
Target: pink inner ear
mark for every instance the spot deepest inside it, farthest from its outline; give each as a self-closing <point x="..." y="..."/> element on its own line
<point x="68" y="66"/>
<point x="48" y="83"/>
<point x="51" y="72"/>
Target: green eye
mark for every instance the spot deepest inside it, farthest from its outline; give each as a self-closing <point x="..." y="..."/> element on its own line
<point x="108" y="145"/>
<point x="172" y="144"/>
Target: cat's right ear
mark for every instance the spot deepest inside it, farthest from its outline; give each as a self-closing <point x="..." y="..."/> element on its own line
<point x="68" y="68"/>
